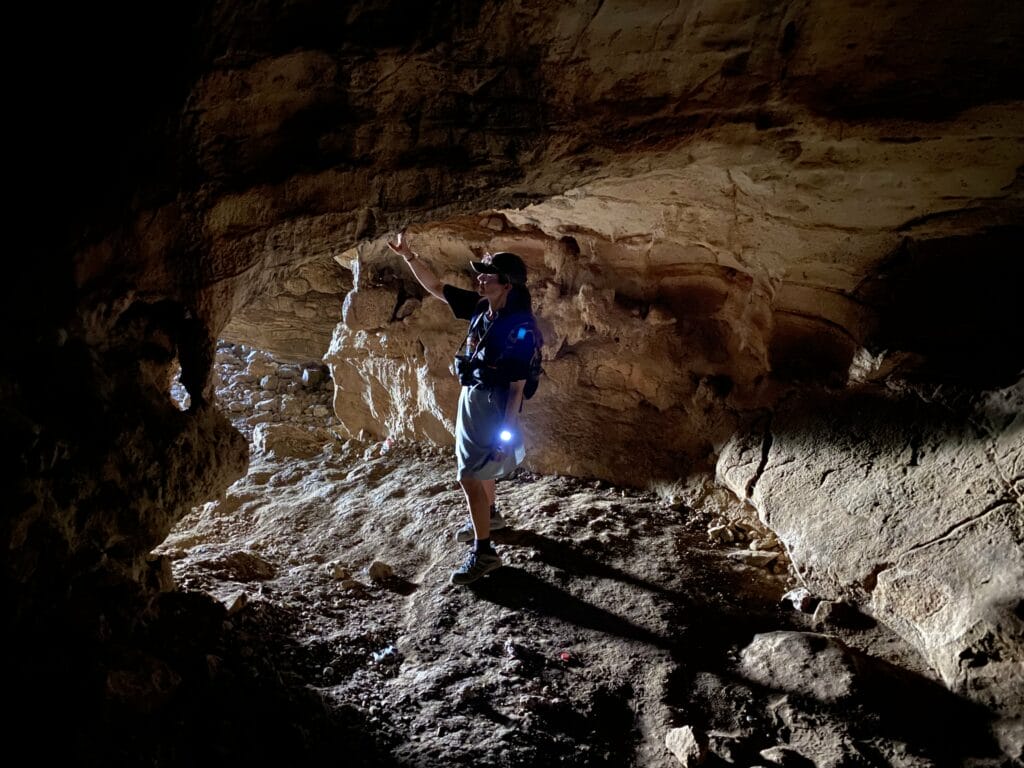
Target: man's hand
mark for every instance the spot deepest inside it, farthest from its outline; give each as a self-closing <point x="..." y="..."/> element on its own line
<point x="506" y="437"/>
<point x="401" y="247"/>
<point x="419" y="268"/>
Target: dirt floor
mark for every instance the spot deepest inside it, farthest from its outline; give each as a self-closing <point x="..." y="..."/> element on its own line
<point x="612" y="621"/>
<point x="619" y="615"/>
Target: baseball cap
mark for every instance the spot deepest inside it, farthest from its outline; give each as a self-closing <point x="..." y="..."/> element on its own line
<point x="503" y="263"/>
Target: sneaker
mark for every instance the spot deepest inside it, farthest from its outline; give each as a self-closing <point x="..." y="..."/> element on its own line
<point x="476" y="565"/>
<point x="466" y="534"/>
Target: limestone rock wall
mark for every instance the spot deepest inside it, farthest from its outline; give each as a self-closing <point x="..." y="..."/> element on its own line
<point x="607" y="357"/>
<point x="912" y="508"/>
<point x="294" y="314"/>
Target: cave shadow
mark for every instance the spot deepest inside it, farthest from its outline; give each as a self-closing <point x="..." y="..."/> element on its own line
<point x="518" y="590"/>
<point x="572" y="560"/>
<point x="923" y="712"/>
<point x="888" y="700"/>
<point x="926" y="316"/>
<point x="875" y="419"/>
<point x="961" y="325"/>
<point x="185" y="687"/>
<point x="260" y="709"/>
<point x="399" y="585"/>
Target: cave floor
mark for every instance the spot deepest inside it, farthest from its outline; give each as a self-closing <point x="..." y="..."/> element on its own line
<point x="612" y="621"/>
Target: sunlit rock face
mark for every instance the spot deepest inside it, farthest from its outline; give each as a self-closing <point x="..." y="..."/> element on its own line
<point x="913" y="507"/>
<point x="723" y="206"/>
<point x="691" y="291"/>
<point x="612" y="360"/>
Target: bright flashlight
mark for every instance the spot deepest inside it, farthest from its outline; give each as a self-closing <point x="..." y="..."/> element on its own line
<point x="505" y="435"/>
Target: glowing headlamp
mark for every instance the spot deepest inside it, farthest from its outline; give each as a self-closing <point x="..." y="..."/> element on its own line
<point x="505" y="435"/>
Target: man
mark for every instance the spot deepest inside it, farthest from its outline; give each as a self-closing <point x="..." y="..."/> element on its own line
<point x="492" y="366"/>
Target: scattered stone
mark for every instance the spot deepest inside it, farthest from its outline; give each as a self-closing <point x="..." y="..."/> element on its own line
<point x="757" y="559"/>
<point x="720" y="533"/>
<point x="688" y="745"/>
<point x="805" y="663"/>
<point x="787" y="758"/>
<point x="245" y="378"/>
<point x="291" y="407"/>
<point x="386" y="656"/>
<point x="289" y="440"/>
<point x="259" y="366"/>
<point x="338" y="571"/>
<point x="727" y="746"/>
<point x="240" y="601"/>
<point x="822" y="614"/>
<point x="380" y="571"/>
<point x="239" y="566"/>
<point x="801" y="599"/>
<point x="512" y="649"/>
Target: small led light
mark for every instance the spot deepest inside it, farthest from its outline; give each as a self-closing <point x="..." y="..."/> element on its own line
<point x="505" y="435"/>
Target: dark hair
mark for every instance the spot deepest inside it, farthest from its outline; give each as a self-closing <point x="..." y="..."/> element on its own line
<point x="519" y="299"/>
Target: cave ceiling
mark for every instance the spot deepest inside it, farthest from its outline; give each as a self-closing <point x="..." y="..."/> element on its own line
<point x="798" y="146"/>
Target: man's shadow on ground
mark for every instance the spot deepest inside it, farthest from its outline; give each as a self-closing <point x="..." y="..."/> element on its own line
<point x="519" y="590"/>
<point x="572" y="560"/>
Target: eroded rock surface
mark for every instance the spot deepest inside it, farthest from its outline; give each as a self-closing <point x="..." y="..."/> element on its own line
<point x="912" y="508"/>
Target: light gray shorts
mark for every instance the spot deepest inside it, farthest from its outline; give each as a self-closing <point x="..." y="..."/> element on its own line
<point x="481" y="415"/>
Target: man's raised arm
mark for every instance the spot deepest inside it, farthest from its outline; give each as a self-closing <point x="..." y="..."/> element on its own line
<point x="420" y="270"/>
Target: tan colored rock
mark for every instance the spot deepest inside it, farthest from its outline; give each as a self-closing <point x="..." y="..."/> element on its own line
<point x="687" y="745"/>
<point x="803" y="663"/>
<point x="905" y="508"/>
<point x="285" y="440"/>
<point x="379" y="571"/>
<point x="338" y="571"/>
<point x="291" y="311"/>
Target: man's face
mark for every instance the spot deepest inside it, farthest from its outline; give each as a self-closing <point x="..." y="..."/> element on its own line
<point x="490" y="287"/>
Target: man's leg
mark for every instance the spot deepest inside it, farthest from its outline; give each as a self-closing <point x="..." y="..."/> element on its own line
<point x="467" y="533"/>
<point x="479" y="505"/>
<point x="482" y="560"/>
